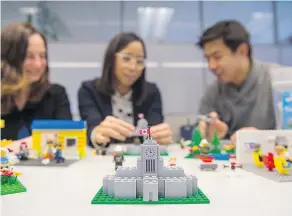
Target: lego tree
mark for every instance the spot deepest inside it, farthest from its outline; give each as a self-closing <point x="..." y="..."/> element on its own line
<point x="194" y="145"/>
<point x="216" y="143"/>
<point x="196" y="139"/>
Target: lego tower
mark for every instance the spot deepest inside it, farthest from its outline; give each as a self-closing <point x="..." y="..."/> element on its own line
<point x="150" y="157"/>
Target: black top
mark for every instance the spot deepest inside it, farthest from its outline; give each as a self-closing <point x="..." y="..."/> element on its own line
<point x="94" y="105"/>
<point x="54" y="105"/>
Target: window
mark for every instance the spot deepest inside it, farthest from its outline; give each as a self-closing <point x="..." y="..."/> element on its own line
<point x="71" y="142"/>
<point x="81" y="21"/>
<point x="163" y="21"/>
<point x="16" y="11"/>
<point x="284" y="24"/>
<point x="257" y="17"/>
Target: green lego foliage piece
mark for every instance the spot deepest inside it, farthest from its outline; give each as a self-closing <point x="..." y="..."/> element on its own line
<point x="216" y="143"/>
<point x="128" y="154"/>
<point x="230" y="151"/>
<point x="13" y="188"/>
<point x="198" y="198"/>
<point x="191" y="156"/>
<point x="196" y="139"/>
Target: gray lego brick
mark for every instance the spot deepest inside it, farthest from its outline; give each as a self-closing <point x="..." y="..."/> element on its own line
<point x="175" y="187"/>
<point x="263" y="172"/>
<point x="125" y="188"/>
<point x="38" y="162"/>
<point x="208" y="166"/>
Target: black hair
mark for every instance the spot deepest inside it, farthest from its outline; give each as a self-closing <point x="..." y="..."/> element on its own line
<point x="231" y="32"/>
<point x="106" y="83"/>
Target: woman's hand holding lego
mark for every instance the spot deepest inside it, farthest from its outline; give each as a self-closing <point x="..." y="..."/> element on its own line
<point x="112" y="127"/>
<point x="161" y="133"/>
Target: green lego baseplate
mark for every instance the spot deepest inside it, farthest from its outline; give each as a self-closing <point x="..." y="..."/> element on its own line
<point x="129" y="154"/>
<point x="14" y="188"/>
<point x="198" y="198"/>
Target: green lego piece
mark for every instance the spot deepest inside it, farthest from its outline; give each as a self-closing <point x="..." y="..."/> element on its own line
<point x="128" y="154"/>
<point x="196" y="139"/>
<point x="216" y="143"/>
<point x="198" y="198"/>
<point x="14" y="188"/>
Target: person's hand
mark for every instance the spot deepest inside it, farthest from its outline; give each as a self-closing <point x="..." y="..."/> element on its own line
<point x="161" y="133"/>
<point x="112" y="127"/>
<point x="215" y="124"/>
<point x="15" y="145"/>
<point x="233" y="136"/>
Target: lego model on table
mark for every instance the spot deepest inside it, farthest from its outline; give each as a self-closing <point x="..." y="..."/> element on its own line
<point x="266" y="153"/>
<point x="55" y="143"/>
<point x="150" y="182"/>
<point x="9" y="177"/>
<point x="219" y="149"/>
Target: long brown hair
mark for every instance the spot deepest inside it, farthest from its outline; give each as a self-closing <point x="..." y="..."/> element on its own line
<point x="106" y="83"/>
<point x="14" y="44"/>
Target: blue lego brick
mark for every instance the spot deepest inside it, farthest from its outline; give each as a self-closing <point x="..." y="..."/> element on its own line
<point x="57" y="125"/>
<point x="221" y="156"/>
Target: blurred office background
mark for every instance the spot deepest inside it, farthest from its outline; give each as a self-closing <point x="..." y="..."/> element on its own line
<point x="78" y="33"/>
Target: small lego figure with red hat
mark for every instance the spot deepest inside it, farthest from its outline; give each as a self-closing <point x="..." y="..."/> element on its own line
<point x="23" y="151"/>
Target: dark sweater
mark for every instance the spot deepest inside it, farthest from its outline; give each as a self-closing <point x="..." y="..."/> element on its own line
<point x="54" y="105"/>
<point x="94" y="105"/>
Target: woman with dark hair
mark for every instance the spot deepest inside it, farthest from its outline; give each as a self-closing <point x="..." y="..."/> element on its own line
<point x="111" y="104"/>
<point x="26" y="93"/>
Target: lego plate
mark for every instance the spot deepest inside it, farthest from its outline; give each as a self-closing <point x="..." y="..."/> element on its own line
<point x="198" y="198"/>
<point x="274" y="176"/>
<point x="38" y="162"/>
<point x="12" y="189"/>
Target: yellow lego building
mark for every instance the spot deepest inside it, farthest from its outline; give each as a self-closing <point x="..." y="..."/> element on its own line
<point x="4" y="142"/>
<point x="69" y="133"/>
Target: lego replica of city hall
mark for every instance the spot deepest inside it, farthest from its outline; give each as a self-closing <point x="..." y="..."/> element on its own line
<point x="150" y="179"/>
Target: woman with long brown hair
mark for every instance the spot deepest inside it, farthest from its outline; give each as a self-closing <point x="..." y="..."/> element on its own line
<point x="112" y="104"/>
<point x="26" y="93"/>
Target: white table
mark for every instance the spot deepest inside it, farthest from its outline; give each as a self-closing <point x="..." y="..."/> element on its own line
<point x="69" y="191"/>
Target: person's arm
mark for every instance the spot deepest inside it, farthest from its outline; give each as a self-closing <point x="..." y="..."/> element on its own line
<point x="15" y="145"/>
<point x="88" y="112"/>
<point x="207" y="107"/>
<point x="63" y="109"/>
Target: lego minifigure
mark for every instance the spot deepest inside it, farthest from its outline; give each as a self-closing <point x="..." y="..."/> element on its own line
<point x="282" y="165"/>
<point x="118" y="157"/>
<point x="172" y="161"/>
<point x="4" y="158"/>
<point x="257" y="155"/>
<point x="58" y="155"/>
<point x="49" y="151"/>
<point x="204" y="147"/>
<point x="23" y="151"/>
